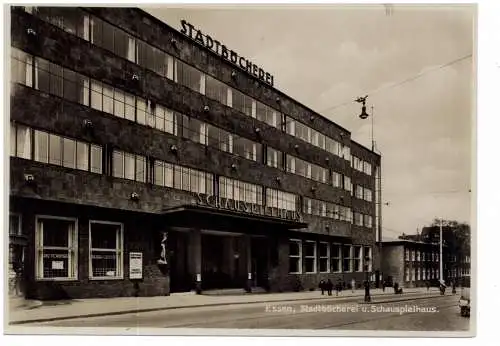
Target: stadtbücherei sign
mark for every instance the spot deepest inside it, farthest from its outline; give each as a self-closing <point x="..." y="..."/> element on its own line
<point x="190" y="31"/>
<point x="257" y="209"/>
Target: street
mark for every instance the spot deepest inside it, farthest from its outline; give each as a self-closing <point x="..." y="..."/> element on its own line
<point x="426" y="314"/>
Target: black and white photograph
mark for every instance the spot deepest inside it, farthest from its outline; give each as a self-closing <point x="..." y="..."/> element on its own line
<point x="216" y="169"/>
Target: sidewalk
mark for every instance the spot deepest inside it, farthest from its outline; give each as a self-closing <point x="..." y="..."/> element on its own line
<point x="36" y="311"/>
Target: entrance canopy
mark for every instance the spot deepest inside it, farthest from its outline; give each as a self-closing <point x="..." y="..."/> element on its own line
<point x="206" y="217"/>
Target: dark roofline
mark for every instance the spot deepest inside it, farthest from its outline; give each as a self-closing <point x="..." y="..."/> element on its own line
<point x="406" y="241"/>
<point x="366" y="148"/>
<point x="159" y="21"/>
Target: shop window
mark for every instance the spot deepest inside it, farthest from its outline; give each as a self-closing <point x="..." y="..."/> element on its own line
<point x="56" y="248"/>
<point x="324" y="257"/>
<point x="347" y="258"/>
<point x="336" y="262"/>
<point x="310" y="256"/>
<point x="106" y="250"/>
<point x="295" y="256"/>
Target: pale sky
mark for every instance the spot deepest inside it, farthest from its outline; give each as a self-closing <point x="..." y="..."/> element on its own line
<point x="327" y="56"/>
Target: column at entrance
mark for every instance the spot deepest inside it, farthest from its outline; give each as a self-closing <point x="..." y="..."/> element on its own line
<point x="245" y="260"/>
<point x="194" y="258"/>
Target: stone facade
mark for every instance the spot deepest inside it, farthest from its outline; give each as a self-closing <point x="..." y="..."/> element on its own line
<point x="85" y="196"/>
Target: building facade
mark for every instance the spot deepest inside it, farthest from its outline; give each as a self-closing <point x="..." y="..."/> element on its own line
<point x="410" y="263"/>
<point x="143" y="161"/>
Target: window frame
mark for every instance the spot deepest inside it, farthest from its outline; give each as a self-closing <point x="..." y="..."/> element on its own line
<point x="327" y="257"/>
<point x="314" y="258"/>
<point x="119" y="252"/>
<point x="73" y="249"/>
<point x="296" y="257"/>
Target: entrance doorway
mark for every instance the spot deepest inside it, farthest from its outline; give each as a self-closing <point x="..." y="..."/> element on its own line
<point x="260" y="262"/>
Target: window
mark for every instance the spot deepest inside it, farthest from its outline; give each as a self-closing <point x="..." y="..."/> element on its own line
<point x="367" y="221"/>
<point x="246" y="148"/>
<point x="70" y="19"/>
<point x="21" y="67"/>
<point x="346" y="152"/>
<point x="324" y="257"/>
<point x="358" y="258"/>
<point x="56" y="248"/>
<point x="67" y="152"/>
<point x="346" y="253"/>
<point x="407" y="254"/>
<point x="183" y="178"/>
<point x="359" y="191"/>
<point x="418" y="255"/>
<point x="155" y="59"/>
<point x="55" y="80"/>
<point x="20" y="141"/>
<point x="274" y="158"/>
<point x="110" y="37"/>
<point x="336" y="264"/>
<point x="280" y="199"/>
<point x="240" y="191"/>
<point x="358" y="219"/>
<point x="347" y="184"/>
<point x="216" y="90"/>
<point x="367" y="194"/>
<point x="407" y="274"/>
<point x="295" y="256"/>
<point x="367" y="168"/>
<point x="129" y="166"/>
<point x="332" y="146"/>
<point x="368" y="261"/>
<point x="106" y="250"/>
<point x="310" y="256"/>
<point x="413" y="274"/>
<point x="15" y="224"/>
<point x="268" y="115"/>
<point x="194" y="130"/>
<point x="190" y="77"/>
<point x="336" y="179"/>
<point x="242" y="103"/>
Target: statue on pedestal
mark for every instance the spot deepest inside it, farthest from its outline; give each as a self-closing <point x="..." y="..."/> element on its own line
<point x="163" y="244"/>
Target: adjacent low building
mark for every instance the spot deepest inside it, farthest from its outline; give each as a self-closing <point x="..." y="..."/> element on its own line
<point x="144" y="161"/>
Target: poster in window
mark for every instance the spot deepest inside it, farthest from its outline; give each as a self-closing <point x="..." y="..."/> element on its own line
<point x="135" y="265"/>
<point x="58" y="265"/>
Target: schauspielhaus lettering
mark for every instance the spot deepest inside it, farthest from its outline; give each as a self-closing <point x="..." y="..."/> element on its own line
<point x="231" y="204"/>
<point x="189" y="30"/>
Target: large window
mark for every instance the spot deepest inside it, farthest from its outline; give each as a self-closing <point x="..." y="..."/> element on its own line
<point x="242" y="103"/>
<point x="190" y="77"/>
<point x="347" y="258"/>
<point x="110" y="37"/>
<point x="306" y="169"/>
<point x="240" y="191"/>
<point x="155" y="60"/>
<point x="348" y="184"/>
<point x="183" y="178"/>
<point x="274" y="158"/>
<point x="21" y="67"/>
<point x="336" y="179"/>
<point x="216" y="90"/>
<point x="56" y="248"/>
<point x="15" y="224"/>
<point x="310" y="256"/>
<point x="268" y="115"/>
<point x="107" y="99"/>
<point x="295" y="256"/>
<point x="55" y="80"/>
<point x="358" y="258"/>
<point x="332" y="146"/>
<point x="20" y="141"/>
<point x="281" y="200"/>
<point x="336" y="262"/>
<point x="61" y="151"/>
<point x="106" y="250"/>
<point x="368" y="260"/>
<point x="70" y="19"/>
<point x="129" y="166"/>
<point x="358" y="219"/>
<point x="324" y="257"/>
<point x="248" y="149"/>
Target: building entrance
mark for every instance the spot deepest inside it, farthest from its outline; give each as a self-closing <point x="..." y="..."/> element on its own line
<point x="260" y="262"/>
<point x="220" y="262"/>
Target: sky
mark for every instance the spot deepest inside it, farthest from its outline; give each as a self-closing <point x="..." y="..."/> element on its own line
<point x="328" y="55"/>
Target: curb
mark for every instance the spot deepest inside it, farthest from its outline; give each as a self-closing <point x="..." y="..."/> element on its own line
<point x="403" y="300"/>
<point x="136" y="311"/>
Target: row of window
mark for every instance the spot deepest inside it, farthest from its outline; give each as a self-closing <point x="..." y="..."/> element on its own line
<point x="307" y="256"/>
<point x="56" y="242"/>
<point x="417" y="255"/>
<point x="422" y="274"/>
<point x="326" y="209"/>
<point x="48" y="77"/>
<point x="363" y="193"/>
<point x="121" y="43"/>
<point x="360" y="165"/>
<point x="44" y="147"/>
<point x="362" y="219"/>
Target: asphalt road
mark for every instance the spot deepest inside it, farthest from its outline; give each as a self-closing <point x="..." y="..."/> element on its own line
<point x="428" y="314"/>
